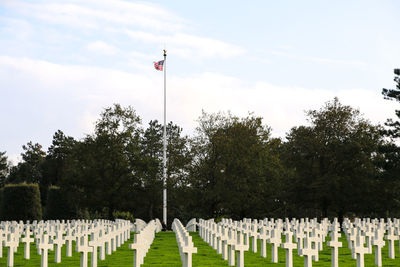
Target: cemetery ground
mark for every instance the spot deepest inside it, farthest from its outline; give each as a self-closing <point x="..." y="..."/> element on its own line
<point x="164" y="252"/>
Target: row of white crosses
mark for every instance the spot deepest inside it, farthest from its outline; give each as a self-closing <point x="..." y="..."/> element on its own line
<point x="53" y="235"/>
<point x="227" y="240"/>
<point x="143" y="240"/>
<point x="185" y="243"/>
<point x="229" y="236"/>
<point x="363" y="235"/>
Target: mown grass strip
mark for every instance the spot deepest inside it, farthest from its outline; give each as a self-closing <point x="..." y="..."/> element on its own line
<point x="345" y="259"/>
<point x="206" y="255"/>
<point x="163" y="252"/>
<point x="120" y="258"/>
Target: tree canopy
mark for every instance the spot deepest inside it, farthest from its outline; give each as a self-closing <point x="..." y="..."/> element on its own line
<point x="338" y="164"/>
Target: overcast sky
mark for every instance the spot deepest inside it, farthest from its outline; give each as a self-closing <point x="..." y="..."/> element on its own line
<point x="62" y="62"/>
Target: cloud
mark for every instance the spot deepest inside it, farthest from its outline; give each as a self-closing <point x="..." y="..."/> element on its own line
<point x="189" y="46"/>
<point x="116" y="20"/>
<point x="94" y="14"/>
<point x="102" y="48"/>
<point x="353" y="63"/>
<point x="94" y="87"/>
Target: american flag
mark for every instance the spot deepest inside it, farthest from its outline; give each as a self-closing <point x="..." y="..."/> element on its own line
<point x="159" y="65"/>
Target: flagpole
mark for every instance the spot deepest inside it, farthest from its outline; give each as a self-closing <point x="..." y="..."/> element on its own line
<point x="165" y="143"/>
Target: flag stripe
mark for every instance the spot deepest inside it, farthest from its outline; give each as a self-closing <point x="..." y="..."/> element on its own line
<point x="159" y="65"/>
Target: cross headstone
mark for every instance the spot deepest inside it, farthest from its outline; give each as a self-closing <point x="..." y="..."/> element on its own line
<point x="58" y="242"/>
<point x="27" y="239"/>
<point x="44" y="247"/>
<point x="95" y="244"/>
<point x="360" y="250"/>
<point x="3" y="238"/>
<point x="263" y="237"/>
<point x="308" y="252"/>
<point x="275" y="240"/>
<point x="289" y="246"/>
<point x="231" y="250"/>
<point x="84" y="249"/>
<point x="391" y="238"/>
<point x="12" y="244"/>
<point x="335" y="245"/>
<point x="69" y="237"/>
<point x="240" y="247"/>
<point x="188" y="250"/>
<point x="378" y="243"/>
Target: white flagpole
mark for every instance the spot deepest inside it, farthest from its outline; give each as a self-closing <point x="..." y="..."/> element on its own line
<point x="165" y="143"/>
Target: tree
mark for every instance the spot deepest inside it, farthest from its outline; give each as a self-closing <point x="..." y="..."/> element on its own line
<point x="151" y="173"/>
<point x="4" y="168"/>
<point x="234" y="170"/>
<point x="334" y="161"/>
<point x="390" y="162"/>
<point x="30" y="169"/>
<point x="100" y="172"/>
<point x="393" y="94"/>
<point x="57" y="153"/>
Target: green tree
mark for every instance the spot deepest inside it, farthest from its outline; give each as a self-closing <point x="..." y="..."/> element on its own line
<point x="390" y="164"/>
<point x="100" y="172"/>
<point x="334" y="161"/>
<point x="151" y="173"/>
<point x="393" y="129"/>
<point x="57" y="153"/>
<point x="234" y="169"/>
<point x="30" y="169"/>
<point x="4" y="168"/>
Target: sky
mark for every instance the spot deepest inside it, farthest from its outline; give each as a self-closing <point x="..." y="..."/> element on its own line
<point x="63" y="62"/>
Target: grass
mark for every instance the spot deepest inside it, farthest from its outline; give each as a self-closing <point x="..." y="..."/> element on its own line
<point x="206" y="253"/>
<point x="164" y="252"/>
<point x="122" y="257"/>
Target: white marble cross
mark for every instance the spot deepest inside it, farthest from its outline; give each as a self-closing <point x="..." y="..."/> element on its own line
<point x="44" y="247"/>
<point x="188" y="250"/>
<point x="289" y="246"/>
<point x="231" y="251"/>
<point x="12" y="244"/>
<point x="391" y="238"/>
<point x="3" y="238"/>
<point x="224" y="238"/>
<point x="360" y="250"/>
<point x="263" y="236"/>
<point x="254" y="233"/>
<point x="378" y="243"/>
<point x="308" y="252"/>
<point x="27" y="239"/>
<point x="68" y="238"/>
<point x="84" y="249"/>
<point x="300" y="239"/>
<point x="240" y="247"/>
<point x="94" y="243"/>
<point x="58" y="242"/>
<point x="275" y="240"/>
<point x="368" y="238"/>
<point x="335" y="245"/>
<point x="218" y="236"/>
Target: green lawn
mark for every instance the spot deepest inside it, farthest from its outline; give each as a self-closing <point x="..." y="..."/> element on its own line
<point x="122" y="257"/>
<point x="164" y="252"/>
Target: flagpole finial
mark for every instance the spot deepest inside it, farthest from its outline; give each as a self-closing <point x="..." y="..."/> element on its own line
<point x="165" y="53"/>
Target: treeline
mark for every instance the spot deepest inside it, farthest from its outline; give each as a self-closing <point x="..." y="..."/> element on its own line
<point x="340" y="164"/>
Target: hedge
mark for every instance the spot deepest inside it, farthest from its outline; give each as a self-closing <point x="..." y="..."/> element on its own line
<point x="57" y="207"/>
<point x="21" y="202"/>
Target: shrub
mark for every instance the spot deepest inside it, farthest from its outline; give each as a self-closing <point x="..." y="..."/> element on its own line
<point x="57" y="207"/>
<point x="21" y="202"/>
<point x="125" y="215"/>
